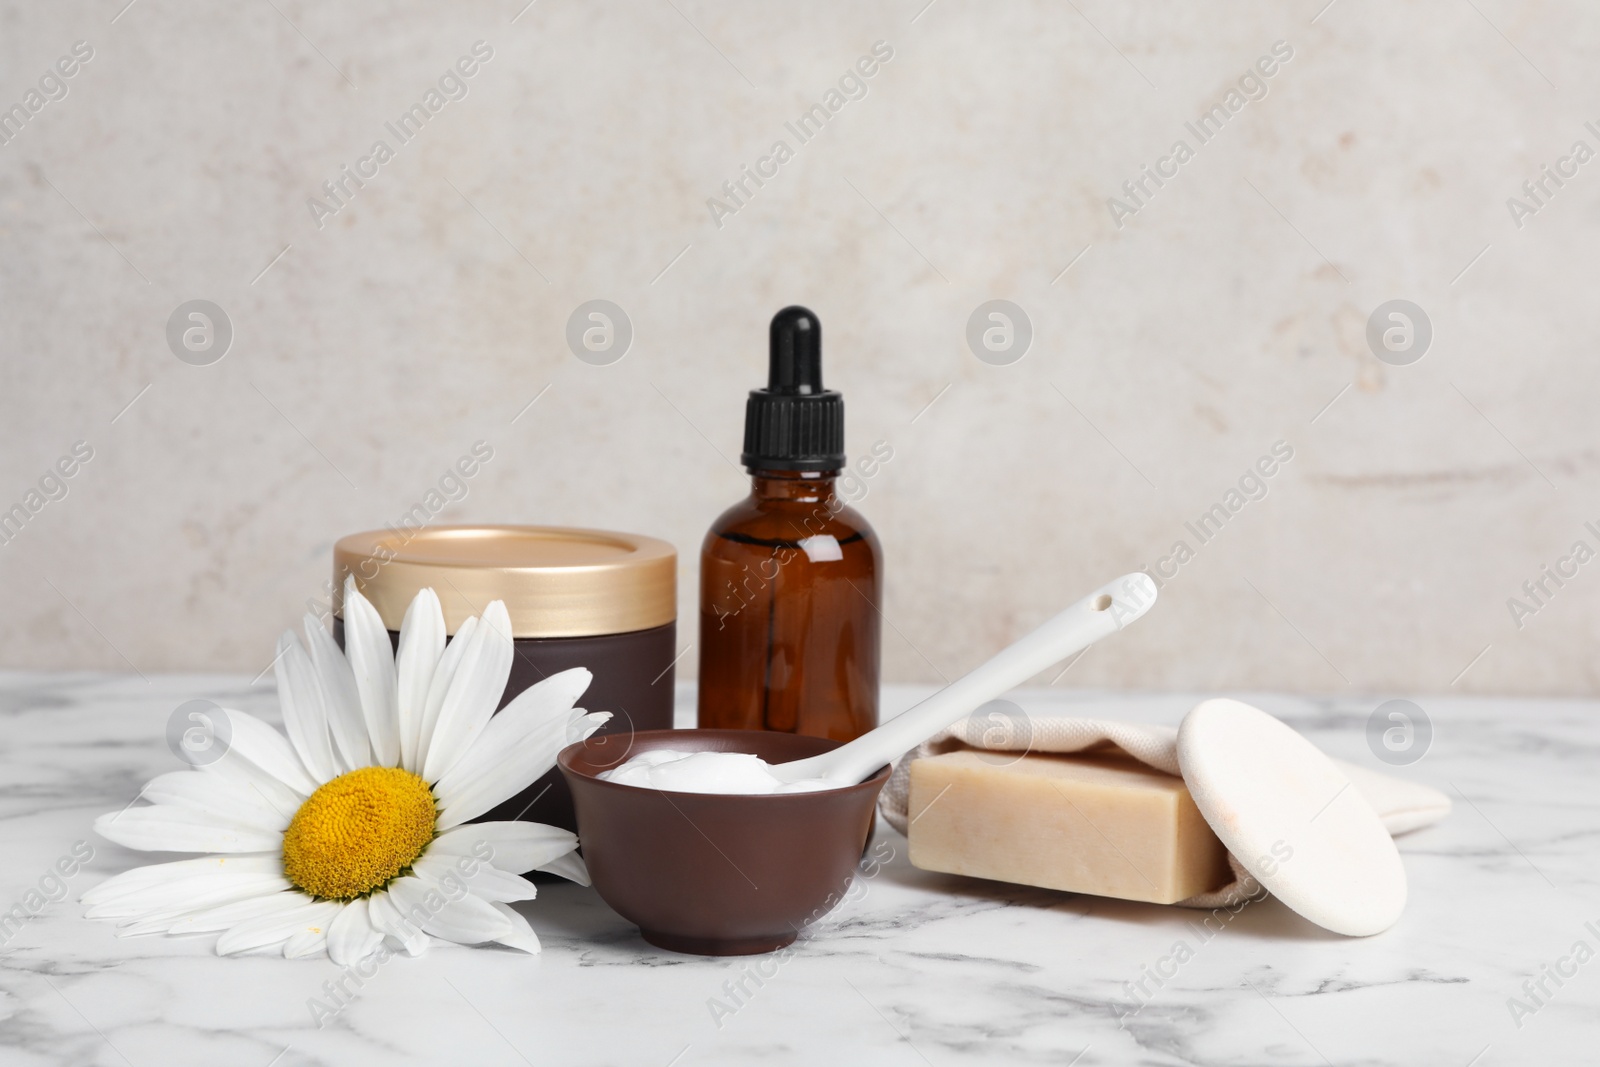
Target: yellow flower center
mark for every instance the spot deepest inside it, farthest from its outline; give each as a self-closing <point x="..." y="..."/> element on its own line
<point x="358" y="832"/>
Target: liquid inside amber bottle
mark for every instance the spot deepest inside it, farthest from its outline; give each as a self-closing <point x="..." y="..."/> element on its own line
<point x="789" y="578"/>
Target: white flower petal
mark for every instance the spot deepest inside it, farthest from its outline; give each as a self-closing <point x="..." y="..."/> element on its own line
<point x="493" y="884"/>
<point x="312" y="942"/>
<point x="215" y="920"/>
<point x="475" y="691"/>
<point x="371" y="655"/>
<point x="242" y="776"/>
<point x="571" y="867"/>
<point x="513" y="770"/>
<point x="342" y="701"/>
<point x="466" y="920"/>
<point x="175" y="899"/>
<point x="351" y="936"/>
<point x="275" y="929"/>
<point x="506" y="769"/>
<point x="229" y="799"/>
<point x="386" y="919"/>
<point x="543" y="709"/>
<point x="275" y="949"/>
<point x="421" y="645"/>
<point x="143" y="929"/>
<point x="300" y="700"/>
<point x="165" y="922"/>
<point x="168" y="828"/>
<point x="269" y="750"/>
<point x="139" y="878"/>
<point x="439" y="687"/>
<point x="510" y="846"/>
<point x="485" y="880"/>
<point x="522" y="935"/>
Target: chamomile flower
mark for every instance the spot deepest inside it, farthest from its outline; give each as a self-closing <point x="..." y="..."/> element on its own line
<point x="353" y="829"/>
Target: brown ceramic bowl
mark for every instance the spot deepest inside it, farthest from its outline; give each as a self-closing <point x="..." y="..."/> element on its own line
<point x="709" y="873"/>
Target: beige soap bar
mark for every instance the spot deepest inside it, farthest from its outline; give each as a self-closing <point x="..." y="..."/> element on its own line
<point x="1102" y="824"/>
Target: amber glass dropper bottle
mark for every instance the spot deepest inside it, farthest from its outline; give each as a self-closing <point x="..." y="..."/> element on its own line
<point x="790" y="577"/>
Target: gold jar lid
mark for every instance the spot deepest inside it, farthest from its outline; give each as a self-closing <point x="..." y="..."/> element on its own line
<point x="555" y="581"/>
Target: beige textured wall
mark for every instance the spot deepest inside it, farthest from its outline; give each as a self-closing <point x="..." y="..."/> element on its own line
<point x="1223" y="316"/>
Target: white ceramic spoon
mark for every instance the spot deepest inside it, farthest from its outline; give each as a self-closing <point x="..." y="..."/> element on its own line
<point x="1103" y="612"/>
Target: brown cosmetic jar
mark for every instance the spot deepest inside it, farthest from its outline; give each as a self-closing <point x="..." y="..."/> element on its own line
<point x="577" y="598"/>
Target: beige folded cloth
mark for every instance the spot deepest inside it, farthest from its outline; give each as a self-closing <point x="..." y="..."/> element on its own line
<point x="1403" y="806"/>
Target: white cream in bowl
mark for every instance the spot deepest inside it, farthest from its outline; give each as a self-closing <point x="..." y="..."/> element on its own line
<point x="680" y="771"/>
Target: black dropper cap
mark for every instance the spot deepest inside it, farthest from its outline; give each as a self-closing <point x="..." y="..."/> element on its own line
<point x="794" y="424"/>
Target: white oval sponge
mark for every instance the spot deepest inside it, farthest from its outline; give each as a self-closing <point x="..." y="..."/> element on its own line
<point x="1292" y="818"/>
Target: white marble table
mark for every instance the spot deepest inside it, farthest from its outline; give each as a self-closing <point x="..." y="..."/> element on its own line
<point x="920" y="969"/>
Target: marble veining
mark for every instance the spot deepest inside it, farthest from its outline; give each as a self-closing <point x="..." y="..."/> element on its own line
<point x="915" y="968"/>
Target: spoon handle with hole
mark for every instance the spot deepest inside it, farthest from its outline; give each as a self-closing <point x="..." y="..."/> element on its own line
<point x="1103" y="612"/>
